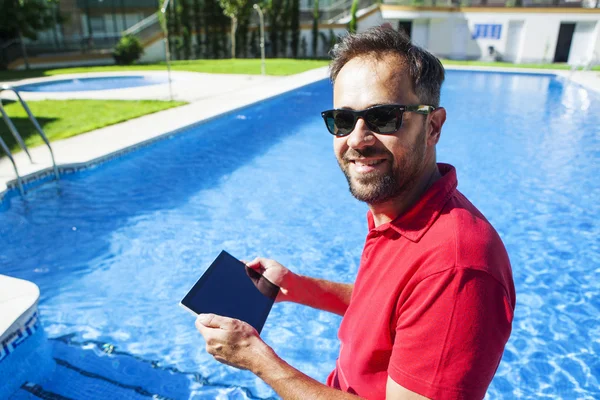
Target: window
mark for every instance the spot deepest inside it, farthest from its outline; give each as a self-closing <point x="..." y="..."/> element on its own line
<point x="487" y="31"/>
<point x="97" y="24"/>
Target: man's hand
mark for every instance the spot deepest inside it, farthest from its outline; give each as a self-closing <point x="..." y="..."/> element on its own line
<point x="231" y="341"/>
<point x="237" y="344"/>
<point x="318" y="293"/>
<point x="275" y="273"/>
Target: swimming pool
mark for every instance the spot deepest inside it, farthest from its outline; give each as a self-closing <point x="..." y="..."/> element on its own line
<point x="114" y="248"/>
<point x="93" y="83"/>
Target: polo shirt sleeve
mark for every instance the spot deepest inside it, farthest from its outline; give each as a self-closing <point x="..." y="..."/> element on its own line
<point x="450" y="334"/>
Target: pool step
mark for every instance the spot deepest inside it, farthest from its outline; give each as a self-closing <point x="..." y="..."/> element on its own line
<point x="96" y="371"/>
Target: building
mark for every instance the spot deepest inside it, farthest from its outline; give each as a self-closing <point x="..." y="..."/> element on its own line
<point x="519" y="31"/>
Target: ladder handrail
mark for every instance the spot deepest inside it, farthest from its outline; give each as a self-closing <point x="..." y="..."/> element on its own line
<point x="33" y="120"/>
<point x="12" y="160"/>
<point x="13" y="130"/>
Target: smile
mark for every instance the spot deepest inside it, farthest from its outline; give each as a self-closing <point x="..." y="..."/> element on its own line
<point x="367" y="162"/>
<point x="367" y="165"/>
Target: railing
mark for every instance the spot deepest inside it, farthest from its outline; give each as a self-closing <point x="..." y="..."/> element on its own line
<point x="496" y="3"/>
<point x="12" y="160"/>
<point x="344" y="10"/>
<point x="19" y="139"/>
<point x="12" y="51"/>
<point x="330" y="12"/>
<point x="80" y="45"/>
<point x="146" y="29"/>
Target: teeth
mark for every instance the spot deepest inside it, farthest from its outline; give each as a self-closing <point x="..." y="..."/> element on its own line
<point x="370" y="162"/>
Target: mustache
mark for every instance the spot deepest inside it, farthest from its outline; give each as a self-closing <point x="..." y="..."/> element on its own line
<point x="367" y="152"/>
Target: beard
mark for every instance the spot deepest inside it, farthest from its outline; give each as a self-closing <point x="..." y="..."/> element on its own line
<point x="381" y="186"/>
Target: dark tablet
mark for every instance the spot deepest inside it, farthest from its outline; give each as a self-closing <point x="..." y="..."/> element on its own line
<point x="231" y="289"/>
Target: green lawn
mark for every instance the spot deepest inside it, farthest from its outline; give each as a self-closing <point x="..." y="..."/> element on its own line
<point x="65" y="118"/>
<point x="275" y="66"/>
<point x="511" y="65"/>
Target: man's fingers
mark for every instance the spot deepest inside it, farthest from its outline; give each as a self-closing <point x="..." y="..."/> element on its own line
<point x="256" y="264"/>
<point x="212" y="321"/>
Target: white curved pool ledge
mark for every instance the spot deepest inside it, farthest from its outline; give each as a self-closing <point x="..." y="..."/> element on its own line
<point x="18" y="303"/>
<point x="24" y="348"/>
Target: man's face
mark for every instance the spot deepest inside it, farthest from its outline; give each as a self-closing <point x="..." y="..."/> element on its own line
<point x="379" y="167"/>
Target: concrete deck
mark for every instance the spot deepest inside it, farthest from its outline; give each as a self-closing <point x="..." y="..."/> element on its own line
<point x="212" y="95"/>
<point x="186" y="86"/>
<point x="209" y="95"/>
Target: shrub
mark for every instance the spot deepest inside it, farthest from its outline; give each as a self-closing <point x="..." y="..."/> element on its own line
<point x="128" y="50"/>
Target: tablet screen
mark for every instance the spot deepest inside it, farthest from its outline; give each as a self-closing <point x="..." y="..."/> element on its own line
<point x="230" y="289"/>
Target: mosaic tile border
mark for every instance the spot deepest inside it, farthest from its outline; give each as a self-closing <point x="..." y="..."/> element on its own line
<point x="16" y="338"/>
<point x="47" y="174"/>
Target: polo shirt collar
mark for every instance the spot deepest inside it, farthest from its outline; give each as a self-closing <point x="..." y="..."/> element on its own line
<point x="420" y="217"/>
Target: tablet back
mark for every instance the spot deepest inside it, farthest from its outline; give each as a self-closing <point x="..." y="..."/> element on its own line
<point x="230" y="289"/>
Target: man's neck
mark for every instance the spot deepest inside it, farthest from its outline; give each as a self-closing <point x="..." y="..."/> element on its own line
<point x="390" y="210"/>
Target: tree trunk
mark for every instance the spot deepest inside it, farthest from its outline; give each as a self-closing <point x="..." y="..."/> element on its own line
<point x="295" y="27"/>
<point x="23" y="50"/>
<point x="315" y="28"/>
<point x="177" y="29"/>
<point x="233" y="29"/>
<point x="187" y="29"/>
<point x="197" y="26"/>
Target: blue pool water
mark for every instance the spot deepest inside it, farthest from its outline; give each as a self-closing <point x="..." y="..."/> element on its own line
<point x="97" y="83"/>
<point x="114" y="248"/>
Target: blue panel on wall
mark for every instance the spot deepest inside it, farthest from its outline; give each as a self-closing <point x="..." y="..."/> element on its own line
<point x="487" y="31"/>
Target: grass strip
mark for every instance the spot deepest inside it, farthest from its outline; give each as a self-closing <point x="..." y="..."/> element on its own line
<point x="61" y="119"/>
<point x="274" y="66"/>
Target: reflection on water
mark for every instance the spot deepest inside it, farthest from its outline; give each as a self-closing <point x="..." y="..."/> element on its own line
<point x="116" y="249"/>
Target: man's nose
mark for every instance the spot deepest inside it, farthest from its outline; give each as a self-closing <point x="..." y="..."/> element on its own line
<point x="361" y="136"/>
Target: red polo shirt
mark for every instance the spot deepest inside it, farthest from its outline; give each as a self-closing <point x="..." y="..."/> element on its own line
<point x="432" y="304"/>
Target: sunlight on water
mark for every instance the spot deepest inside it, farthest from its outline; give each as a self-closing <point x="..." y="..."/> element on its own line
<point x="115" y="248"/>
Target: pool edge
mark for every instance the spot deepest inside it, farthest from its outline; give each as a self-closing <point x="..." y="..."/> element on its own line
<point x="304" y="79"/>
<point x="45" y="174"/>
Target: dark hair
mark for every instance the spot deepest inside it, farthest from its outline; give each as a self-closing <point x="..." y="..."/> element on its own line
<point x="425" y="70"/>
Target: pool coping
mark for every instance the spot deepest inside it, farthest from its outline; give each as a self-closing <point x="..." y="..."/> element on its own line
<point x="162" y="125"/>
<point x="178" y="120"/>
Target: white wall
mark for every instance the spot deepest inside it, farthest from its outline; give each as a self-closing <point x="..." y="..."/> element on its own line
<point x="440" y="36"/>
<point x="582" y="47"/>
<point x="596" y="45"/>
<point x="514" y="41"/>
<point x="369" y="21"/>
<point x="155" y="52"/>
<point x="540" y="36"/>
<point x="420" y="32"/>
<point x="539" y="32"/>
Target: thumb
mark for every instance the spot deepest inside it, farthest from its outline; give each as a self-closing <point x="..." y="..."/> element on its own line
<point x="257" y="264"/>
<point x="208" y="321"/>
<point x="214" y="321"/>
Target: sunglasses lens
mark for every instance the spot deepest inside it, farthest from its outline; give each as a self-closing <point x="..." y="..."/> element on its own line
<point x="343" y="122"/>
<point x="385" y="119"/>
<point x="330" y="122"/>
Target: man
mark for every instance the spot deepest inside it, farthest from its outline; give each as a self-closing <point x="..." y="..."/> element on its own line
<point x="432" y="306"/>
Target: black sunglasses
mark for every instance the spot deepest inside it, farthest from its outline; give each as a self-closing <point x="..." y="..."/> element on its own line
<point x="384" y="119"/>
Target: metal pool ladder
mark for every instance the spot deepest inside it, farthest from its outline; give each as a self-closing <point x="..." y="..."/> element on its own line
<point x="19" y="139"/>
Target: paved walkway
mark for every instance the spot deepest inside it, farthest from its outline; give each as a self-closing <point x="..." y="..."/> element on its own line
<point x="209" y="95"/>
<point x="186" y="86"/>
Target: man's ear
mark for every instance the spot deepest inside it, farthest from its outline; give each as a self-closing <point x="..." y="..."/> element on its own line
<point x="434" y="127"/>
